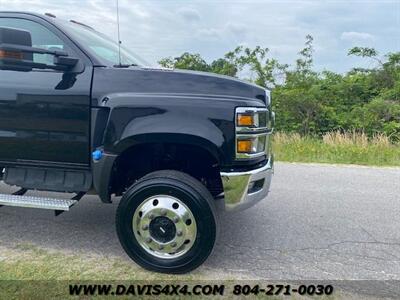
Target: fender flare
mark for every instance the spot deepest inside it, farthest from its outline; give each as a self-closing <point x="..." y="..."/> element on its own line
<point x="170" y="127"/>
<point x="149" y="126"/>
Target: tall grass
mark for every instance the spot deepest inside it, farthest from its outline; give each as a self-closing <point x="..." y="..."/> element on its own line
<point x="337" y="147"/>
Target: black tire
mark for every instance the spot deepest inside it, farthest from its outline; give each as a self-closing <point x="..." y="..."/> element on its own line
<point x="194" y="195"/>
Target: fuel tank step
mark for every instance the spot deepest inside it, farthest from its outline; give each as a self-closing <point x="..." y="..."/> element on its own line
<point x="36" y="202"/>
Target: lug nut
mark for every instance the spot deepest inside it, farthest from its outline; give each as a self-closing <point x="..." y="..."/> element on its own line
<point x="161" y="247"/>
<point x="173" y="245"/>
<point x="151" y="216"/>
<point x="163" y="212"/>
<point x="179" y="233"/>
<point x="145" y="227"/>
<point x="148" y="240"/>
<point x="176" y="219"/>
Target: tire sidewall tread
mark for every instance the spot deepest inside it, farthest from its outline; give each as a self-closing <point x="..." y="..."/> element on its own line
<point x="194" y="195"/>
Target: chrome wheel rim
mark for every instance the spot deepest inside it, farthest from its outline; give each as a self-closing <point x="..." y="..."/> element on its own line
<point x="164" y="226"/>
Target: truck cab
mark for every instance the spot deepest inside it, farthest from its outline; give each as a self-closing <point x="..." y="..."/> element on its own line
<point x="79" y="114"/>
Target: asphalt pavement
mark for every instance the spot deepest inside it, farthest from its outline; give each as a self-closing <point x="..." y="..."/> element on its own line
<point x="319" y="222"/>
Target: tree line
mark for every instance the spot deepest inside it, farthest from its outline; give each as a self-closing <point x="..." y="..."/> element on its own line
<point x="314" y="103"/>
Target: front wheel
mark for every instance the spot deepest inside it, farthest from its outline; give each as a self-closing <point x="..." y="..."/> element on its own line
<point x="166" y="222"/>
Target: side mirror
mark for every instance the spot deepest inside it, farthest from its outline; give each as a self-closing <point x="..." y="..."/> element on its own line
<point x="14" y="59"/>
<point x="16" y="53"/>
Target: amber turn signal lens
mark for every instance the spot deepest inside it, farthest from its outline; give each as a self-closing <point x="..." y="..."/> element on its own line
<point x="244" y="146"/>
<point x="245" y="120"/>
<point x="10" y="54"/>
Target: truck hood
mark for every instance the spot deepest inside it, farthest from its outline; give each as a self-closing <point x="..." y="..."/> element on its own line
<point x="167" y="81"/>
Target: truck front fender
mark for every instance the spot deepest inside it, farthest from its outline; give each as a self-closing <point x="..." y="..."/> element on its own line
<point x="135" y="119"/>
<point x="189" y="132"/>
<point x="198" y="121"/>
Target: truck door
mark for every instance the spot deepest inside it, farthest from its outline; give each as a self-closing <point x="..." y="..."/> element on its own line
<point x="44" y="114"/>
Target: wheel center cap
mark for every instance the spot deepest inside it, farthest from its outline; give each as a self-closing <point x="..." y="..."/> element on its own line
<point x="162" y="229"/>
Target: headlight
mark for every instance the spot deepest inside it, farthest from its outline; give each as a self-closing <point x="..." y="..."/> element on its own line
<point x="251" y="144"/>
<point x="251" y="132"/>
<point x="251" y="119"/>
<point x="245" y="120"/>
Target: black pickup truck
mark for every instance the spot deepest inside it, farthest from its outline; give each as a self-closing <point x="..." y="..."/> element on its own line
<point x="79" y="116"/>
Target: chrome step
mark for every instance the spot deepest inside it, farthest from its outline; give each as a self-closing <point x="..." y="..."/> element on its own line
<point x="36" y="202"/>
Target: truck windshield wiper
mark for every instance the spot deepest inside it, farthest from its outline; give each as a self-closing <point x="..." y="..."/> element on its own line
<point x="125" y="65"/>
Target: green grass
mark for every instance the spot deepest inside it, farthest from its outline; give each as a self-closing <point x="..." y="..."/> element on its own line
<point x="30" y="272"/>
<point x="336" y="148"/>
<point x="28" y="262"/>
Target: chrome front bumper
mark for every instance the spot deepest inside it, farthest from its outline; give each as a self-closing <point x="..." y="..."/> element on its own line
<point x="244" y="189"/>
